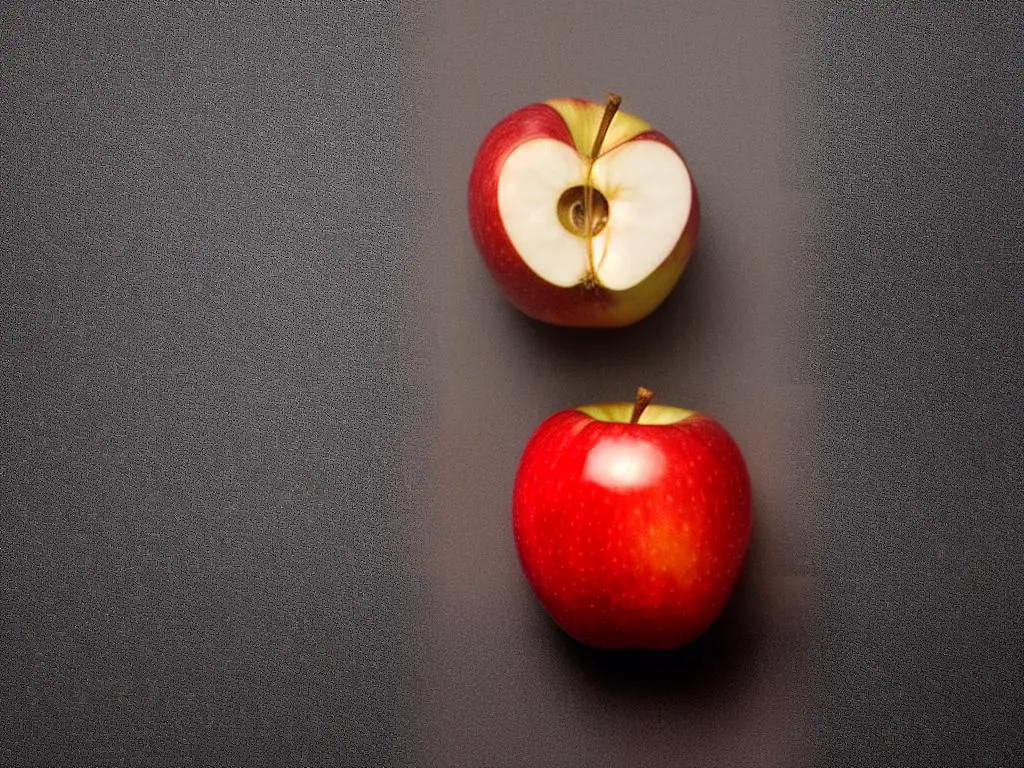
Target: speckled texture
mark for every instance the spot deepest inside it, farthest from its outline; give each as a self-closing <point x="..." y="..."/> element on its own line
<point x="912" y="144"/>
<point x="205" y="362"/>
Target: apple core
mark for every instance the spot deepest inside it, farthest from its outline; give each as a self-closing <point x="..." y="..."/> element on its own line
<point x="572" y="210"/>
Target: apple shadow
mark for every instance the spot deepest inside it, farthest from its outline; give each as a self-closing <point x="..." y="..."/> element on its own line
<point x="668" y="331"/>
<point x="712" y="668"/>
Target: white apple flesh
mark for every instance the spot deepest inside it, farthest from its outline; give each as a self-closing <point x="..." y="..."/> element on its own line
<point x="648" y="192"/>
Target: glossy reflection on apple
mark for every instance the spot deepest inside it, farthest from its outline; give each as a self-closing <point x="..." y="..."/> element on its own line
<point x="632" y="522"/>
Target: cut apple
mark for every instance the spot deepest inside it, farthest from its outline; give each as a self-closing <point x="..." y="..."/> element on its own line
<point x="584" y="214"/>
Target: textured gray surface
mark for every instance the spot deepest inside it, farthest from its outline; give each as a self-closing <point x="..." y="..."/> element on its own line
<point x="262" y="406"/>
<point x="204" y="377"/>
<point x="915" y="161"/>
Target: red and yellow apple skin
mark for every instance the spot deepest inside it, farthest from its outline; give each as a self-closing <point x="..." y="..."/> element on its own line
<point x="577" y="305"/>
<point x="632" y="535"/>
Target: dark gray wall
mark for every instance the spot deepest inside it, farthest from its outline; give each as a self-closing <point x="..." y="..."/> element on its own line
<point x="262" y="406"/>
<point x="914" y="147"/>
<point x="205" y="381"/>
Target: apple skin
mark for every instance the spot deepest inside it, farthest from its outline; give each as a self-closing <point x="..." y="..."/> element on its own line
<point x="576" y="306"/>
<point x="632" y="535"/>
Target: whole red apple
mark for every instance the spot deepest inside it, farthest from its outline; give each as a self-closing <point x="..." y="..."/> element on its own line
<point x="584" y="215"/>
<point x="632" y="522"/>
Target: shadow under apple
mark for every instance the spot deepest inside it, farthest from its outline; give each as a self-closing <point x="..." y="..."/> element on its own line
<point x="713" y="668"/>
<point x="668" y="332"/>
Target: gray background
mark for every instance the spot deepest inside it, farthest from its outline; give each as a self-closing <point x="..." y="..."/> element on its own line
<point x="263" y="406"/>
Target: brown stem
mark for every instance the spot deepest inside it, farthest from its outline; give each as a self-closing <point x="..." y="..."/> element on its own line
<point x="610" y="108"/>
<point x="643" y="399"/>
<point x="614" y="102"/>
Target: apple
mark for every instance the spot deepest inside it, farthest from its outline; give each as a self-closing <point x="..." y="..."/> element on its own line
<point x="584" y="215"/>
<point x="632" y="522"/>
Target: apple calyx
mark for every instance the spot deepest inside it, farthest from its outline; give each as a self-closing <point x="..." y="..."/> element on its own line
<point x="643" y="399"/>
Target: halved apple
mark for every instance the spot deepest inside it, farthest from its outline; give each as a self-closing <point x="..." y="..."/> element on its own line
<point x="584" y="214"/>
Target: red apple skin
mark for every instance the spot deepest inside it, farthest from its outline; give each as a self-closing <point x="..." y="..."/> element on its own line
<point x="575" y="306"/>
<point x="632" y="536"/>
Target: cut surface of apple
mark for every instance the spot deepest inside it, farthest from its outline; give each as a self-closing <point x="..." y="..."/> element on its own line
<point x="643" y="183"/>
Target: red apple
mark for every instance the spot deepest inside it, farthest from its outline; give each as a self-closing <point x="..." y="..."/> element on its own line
<point x="584" y="215"/>
<point x="632" y="522"/>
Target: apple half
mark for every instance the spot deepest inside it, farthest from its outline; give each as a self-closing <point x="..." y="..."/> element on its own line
<point x="584" y="215"/>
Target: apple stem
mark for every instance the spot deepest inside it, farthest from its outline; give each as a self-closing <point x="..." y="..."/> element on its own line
<point x="614" y="102"/>
<point x="611" y="107"/>
<point x="643" y="399"/>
